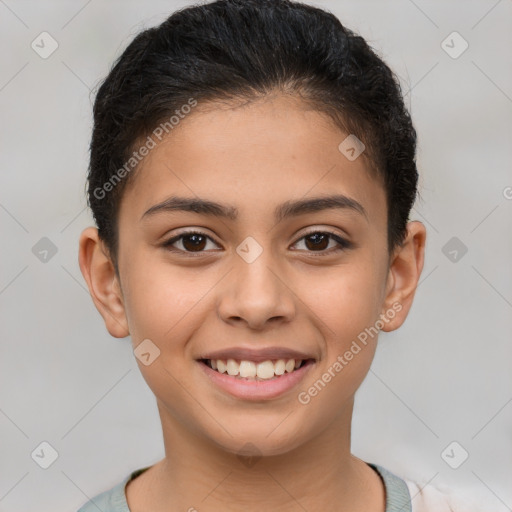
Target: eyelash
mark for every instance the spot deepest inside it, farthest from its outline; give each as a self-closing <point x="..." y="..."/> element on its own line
<point x="342" y="243"/>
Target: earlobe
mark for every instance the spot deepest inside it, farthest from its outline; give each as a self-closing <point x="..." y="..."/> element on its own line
<point x="101" y="278"/>
<point x="403" y="276"/>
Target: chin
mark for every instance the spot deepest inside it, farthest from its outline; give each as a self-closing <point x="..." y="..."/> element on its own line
<point x="260" y="443"/>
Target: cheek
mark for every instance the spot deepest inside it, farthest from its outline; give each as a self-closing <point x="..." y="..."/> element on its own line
<point x="159" y="300"/>
<point x="348" y="310"/>
<point x="346" y="300"/>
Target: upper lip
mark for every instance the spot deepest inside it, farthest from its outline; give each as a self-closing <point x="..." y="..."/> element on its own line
<point x="256" y="355"/>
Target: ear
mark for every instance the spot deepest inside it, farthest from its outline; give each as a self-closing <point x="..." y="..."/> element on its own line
<point x="403" y="276"/>
<point x="104" y="287"/>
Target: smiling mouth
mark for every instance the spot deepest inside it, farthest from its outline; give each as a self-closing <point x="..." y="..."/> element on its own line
<point x="250" y="370"/>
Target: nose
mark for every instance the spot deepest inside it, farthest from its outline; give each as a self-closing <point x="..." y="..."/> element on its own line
<point x="256" y="294"/>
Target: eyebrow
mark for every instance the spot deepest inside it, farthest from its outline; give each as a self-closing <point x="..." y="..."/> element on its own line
<point x="285" y="210"/>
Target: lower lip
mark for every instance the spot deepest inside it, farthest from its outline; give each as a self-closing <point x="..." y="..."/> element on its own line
<point x="257" y="389"/>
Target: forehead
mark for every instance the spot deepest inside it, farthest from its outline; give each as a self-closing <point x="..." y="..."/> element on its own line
<point x="261" y="153"/>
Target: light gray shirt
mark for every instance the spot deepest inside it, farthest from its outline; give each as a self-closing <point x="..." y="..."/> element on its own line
<point x="398" y="498"/>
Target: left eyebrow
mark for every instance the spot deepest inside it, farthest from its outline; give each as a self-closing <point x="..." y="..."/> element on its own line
<point x="285" y="210"/>
<point x="316" y="204"/>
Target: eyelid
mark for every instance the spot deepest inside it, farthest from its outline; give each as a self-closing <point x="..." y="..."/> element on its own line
<point x="168" y="243"/>
<point x="342" y="243"/>
<point x="326" y="231"/>
<point x="341" y="240"/>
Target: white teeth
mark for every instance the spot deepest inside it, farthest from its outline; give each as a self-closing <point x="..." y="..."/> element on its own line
<point x="249" y="369"/>
<point x="265" y="370"/>
<point x="290" y="365"/>
<point x="233" y="367"/>
<point x="279" y="367"/>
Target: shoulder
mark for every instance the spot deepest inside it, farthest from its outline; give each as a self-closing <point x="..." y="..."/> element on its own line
<point x="410" y="496"/>
<point x="112" y="500"/>
<point x="428" y="498"/>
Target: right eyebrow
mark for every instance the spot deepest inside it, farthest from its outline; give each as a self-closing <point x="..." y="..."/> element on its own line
<point x="292" y="208"/>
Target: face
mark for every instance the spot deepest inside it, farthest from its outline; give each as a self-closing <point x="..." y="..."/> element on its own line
<point x="267" y="275"/>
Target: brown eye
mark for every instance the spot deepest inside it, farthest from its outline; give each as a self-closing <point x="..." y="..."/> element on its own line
<point x="318" y="241"/>
<point x="193" y="241"/>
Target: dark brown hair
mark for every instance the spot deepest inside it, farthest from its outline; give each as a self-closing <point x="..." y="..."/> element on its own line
<point x="242" y="50"/>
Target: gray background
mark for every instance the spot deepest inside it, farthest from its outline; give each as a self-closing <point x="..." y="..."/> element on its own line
<point x="444" y="376"/>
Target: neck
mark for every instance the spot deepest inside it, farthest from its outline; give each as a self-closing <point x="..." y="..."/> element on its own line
<point x="197" y="474"/>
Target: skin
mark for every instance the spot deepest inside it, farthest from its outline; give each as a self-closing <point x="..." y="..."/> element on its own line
<point x="253" y="157"/>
